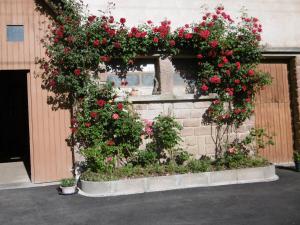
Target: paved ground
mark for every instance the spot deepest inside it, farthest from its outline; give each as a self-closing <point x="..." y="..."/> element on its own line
<point x="274" y="203"/>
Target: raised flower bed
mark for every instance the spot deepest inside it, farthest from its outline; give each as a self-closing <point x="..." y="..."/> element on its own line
<point x="179" y="181"/>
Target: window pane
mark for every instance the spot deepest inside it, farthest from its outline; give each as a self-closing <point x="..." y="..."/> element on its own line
<point x="132" y="79"/>
<point x="15" y="33"/>
<point x="115" y="79"/>
<point x="148" y="79"/>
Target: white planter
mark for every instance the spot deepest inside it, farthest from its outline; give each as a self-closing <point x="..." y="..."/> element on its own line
<point x="68" y="190"/>
<point x="179" y="181"/>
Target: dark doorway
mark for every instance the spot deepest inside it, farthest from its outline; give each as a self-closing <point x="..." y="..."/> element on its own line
<point x="14" y="132"/>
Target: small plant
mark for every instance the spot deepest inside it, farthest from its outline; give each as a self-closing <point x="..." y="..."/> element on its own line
<point x="201" y="165"/>
<point x="146" y="157"/>
<point x="68" y="182"/>
<point x="166" y="135"/>
<point x="296" y="156"/>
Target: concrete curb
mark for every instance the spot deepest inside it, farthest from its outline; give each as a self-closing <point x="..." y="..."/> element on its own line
<point x="163" y="183"/>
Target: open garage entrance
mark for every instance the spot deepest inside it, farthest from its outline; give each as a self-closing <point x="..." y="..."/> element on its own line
<point x="14" y="132"/>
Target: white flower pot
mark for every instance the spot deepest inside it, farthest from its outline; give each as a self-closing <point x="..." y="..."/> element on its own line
<point x="68" y="190"/>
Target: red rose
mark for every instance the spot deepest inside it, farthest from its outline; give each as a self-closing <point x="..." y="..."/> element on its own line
<point x="228" y="72"/>
<point x="188" y="36"/>
<point x="215" y="79"/>
<point x="96" y="43"/>
<point x="228" y="52"/>
<point x="77" y="72"/>
<point x="91" y="18"/>
<point x="104" y="58"/>
<point x="172" y="43"/>
<point x="237" y="111"/>
<point x="73" y="121"/>
<point x="204" y="34"/>
<point x="110" y="143"/>
<point x="104" y="41"/>
<point x="120" y="106"/>
<point x="244" y="88"/>
<point x="204" y="88"/>
<point x="248" y="99"/>
<point x="220" y="65"/>
<point x="225" y="60"/>
<point x="216" y="102"/>
<point x="214" y="43"/>
<point x="237" y="81"/>
<point x="117" y="45"/>
<point x="229" y="91"/>
<point x="210" y="24"/>
<point x="155" y="40"/>
<point x="88" y="124"/>
<point x="251" y="72"/>
<point x="93" y="114"/>
<point x="73" y="129"/>
<point x="138" y="34"/>
<point x="122" y="20"/>
<point x="111" y="19"/>
<point x="52" y="83"/>
<point x="199" y="56"/>
<point x="238" y="65"/>
<point x="101" y="103"/>
<point x="149" y="22"/>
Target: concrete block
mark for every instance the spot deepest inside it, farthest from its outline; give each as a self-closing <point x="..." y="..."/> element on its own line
<point x="204" y="104"/>
<point x="128" y="186"/>
<point x="187" y="131"/>
<point x="183" y="105"/>
<point x="193" y="150"/>
<point x="140" y="106"/>
<point x="190" y="141"/>
<point x="155" y="106"/>
<point x="149" y="114"/>
<point x="194" y="180"/>
<point x="210" y="149"/>
<point x="98" y="188"/>
<point x="197" y="113"/>
<point x="209" y="140"/>
<point x="182" y="113"/>
<point x="223" y="177"/>
<point x="203" y="130"/>
<point x="191" y="123"/>
<point x="168" y="109"/>
<point x="250" y="174"/>
<point x="162" y="183"/>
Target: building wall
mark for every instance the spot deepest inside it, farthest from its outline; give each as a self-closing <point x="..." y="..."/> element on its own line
<point x="280" y="18"/>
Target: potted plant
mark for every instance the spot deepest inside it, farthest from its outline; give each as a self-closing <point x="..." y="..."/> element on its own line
<point x="68" y="186"/>
<point x="297" y="161"/>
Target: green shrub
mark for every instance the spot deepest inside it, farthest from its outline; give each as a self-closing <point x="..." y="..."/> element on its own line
<point x="68" y="182"/>
<point x="146" y="157"/>
<point x="166" y="135"/>
<point x="199" y="165"/>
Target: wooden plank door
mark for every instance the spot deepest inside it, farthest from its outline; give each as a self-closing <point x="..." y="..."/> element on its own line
<point x="273" y="113"/>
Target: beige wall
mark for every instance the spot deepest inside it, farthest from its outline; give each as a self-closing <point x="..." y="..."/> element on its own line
<point x="280" y="18"/>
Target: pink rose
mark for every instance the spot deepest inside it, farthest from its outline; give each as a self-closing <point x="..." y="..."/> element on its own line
<point x="115" y="116"/>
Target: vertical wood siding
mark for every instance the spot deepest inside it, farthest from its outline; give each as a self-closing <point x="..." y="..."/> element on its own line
<point x="273" y="113"/>
<point x="51" y="158"/>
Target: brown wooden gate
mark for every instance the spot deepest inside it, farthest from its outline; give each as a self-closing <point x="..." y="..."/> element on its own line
<point x="273" y="113"/>
<point x="51" y="158"/>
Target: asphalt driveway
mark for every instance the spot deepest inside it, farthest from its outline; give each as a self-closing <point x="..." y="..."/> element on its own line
<point x="274" y="203"/>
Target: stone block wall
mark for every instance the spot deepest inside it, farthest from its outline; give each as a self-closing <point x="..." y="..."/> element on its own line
<point x="197" y="138"/>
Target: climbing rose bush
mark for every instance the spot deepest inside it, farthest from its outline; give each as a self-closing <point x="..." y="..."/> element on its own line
<point x="225" y="56"/>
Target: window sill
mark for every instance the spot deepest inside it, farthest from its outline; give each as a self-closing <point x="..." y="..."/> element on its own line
<point x="169" y="98"/>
